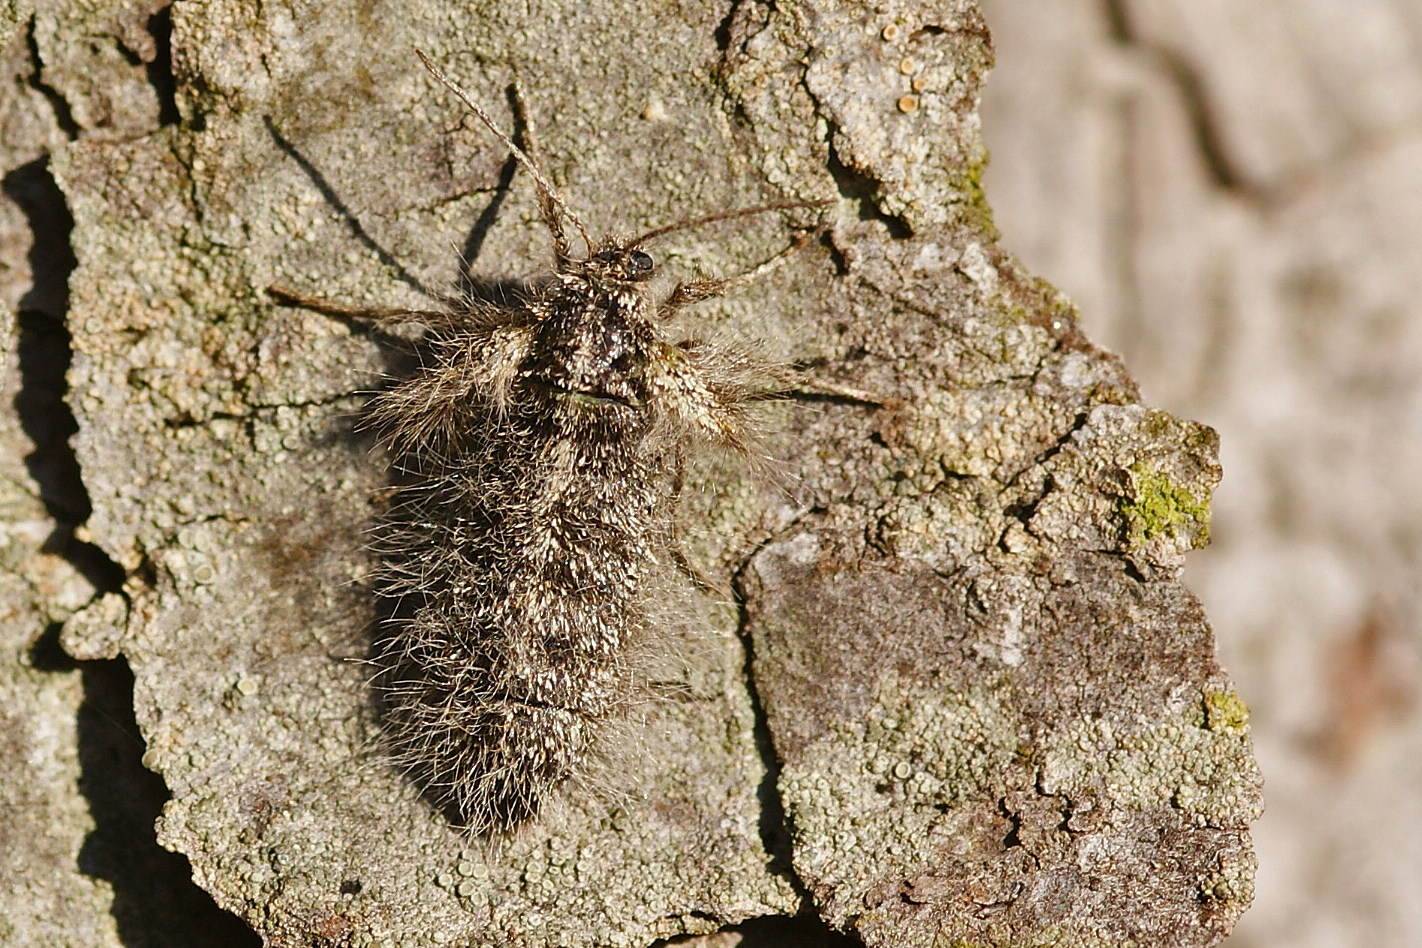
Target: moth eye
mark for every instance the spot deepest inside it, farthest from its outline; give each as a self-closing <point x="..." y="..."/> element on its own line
<point x="639" y="262"/>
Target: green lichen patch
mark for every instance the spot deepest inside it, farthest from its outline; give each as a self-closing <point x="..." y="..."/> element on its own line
<point x="1158" y="507"/>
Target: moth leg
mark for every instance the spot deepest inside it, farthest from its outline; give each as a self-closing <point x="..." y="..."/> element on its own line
<point x="680" y="557"/>
<point x="688" y="292"/>
<point x="381" y="319"/>
<point x="804" y="384"/>
<point x="798" y="242"/>
<point x="706" y="389"/>
<point x="693" y="291"/>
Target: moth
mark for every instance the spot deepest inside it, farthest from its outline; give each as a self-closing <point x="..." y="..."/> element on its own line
<point x="538" y="454"/>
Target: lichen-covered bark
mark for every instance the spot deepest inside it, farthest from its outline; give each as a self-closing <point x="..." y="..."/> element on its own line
<point x="79" y="865"/>
<point x="978" y="705"/>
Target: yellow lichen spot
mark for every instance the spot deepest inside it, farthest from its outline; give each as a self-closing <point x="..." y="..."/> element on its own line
<point x="908" y="103"/>
<point x="1225" y="711"/>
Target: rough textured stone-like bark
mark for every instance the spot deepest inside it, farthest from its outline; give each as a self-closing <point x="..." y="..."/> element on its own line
<point x="978" y="706"/>
<point x="79" y="864"/>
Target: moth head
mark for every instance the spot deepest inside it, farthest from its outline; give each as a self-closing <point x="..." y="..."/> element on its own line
<point x="615" y="263"/>
<point x="594" y="334"/>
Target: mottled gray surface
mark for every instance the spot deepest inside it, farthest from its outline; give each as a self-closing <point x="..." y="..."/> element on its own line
<point x="45" y="821"/>
<point x="79" y="865"/>
<point x="979" y="704"/>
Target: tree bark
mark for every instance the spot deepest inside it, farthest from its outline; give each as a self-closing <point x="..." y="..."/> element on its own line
<point x="960" y="695"/>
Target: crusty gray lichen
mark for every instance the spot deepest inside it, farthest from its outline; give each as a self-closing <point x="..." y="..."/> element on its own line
<point x="45" y="820"/>
<point x="994" y="712"/>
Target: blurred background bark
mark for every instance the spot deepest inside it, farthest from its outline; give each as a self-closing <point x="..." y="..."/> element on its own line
<point x="1231" y="193"/>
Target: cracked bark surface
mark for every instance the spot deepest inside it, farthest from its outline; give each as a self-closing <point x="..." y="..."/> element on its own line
<point x="969" y="700"/>
<point x="78" y="860"/>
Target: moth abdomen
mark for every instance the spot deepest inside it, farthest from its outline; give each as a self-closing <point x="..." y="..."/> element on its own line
<point x="519" y="557"/>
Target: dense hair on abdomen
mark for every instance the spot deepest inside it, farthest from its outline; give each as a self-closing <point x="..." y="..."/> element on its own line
<point x="514" y="564"/>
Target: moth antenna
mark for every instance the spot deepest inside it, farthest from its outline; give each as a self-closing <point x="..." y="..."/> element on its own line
<point x="727" y="216"/>
<point x="547" y="206"/>
<point x="549" y="202"/>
